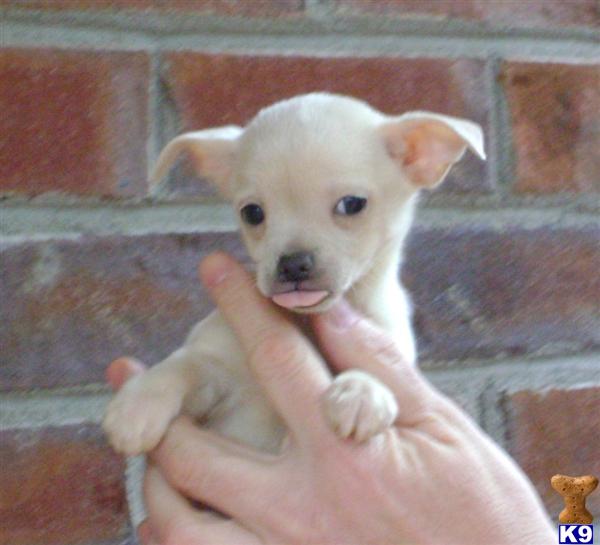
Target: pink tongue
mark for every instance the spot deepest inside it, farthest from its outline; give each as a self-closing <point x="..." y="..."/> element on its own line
<point x="293" y="299"/>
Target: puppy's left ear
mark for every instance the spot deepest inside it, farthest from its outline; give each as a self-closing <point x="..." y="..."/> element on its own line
<point x="426" y="145"/>
<point x="212" y="152"/>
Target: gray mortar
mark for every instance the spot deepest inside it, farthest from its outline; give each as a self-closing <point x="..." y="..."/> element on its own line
<point x="176" y="218"/>
<point x="155" y="141"/>
<point x="501" y="139"/>
<point x="317" y="36"/>
<point x="41" y="409"/>
<point x="38" y="408"/>
<point x="318" y="18"/>
<point x="19" y="221"/>
<point x="567" y="201"/>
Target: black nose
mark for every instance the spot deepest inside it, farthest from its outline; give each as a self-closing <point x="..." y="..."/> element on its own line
<point x="295" y="267"/>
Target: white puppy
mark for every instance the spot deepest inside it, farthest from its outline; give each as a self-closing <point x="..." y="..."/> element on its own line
<point x="325" y="188"/>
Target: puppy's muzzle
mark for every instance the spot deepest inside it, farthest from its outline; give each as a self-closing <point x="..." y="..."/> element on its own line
<point x="295" y="267"/>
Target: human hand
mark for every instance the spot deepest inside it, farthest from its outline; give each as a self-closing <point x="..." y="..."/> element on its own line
<point x="434" y="478"/>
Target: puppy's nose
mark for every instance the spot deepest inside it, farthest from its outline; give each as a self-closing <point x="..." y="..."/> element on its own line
<point x="295" y="267"/>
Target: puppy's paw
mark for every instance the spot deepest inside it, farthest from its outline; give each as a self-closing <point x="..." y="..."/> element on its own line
<point x="358" y="405"/>
<point x="138" y="416"/>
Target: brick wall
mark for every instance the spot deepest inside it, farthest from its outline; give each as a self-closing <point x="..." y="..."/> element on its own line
<point x="503" y="263"/>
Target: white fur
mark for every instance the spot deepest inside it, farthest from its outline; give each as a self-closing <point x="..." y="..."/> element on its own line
<point x="296" y="159"/>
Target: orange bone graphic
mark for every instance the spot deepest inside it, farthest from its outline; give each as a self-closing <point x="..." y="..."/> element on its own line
<point x="574" y="491"/>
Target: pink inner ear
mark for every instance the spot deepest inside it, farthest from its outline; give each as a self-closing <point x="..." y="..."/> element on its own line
<point x="425" y="151"/>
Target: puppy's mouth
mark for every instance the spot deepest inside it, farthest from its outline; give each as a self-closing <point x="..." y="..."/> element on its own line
<point x="298" y="296"/>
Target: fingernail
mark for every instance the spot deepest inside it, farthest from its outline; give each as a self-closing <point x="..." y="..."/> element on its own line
<point x="215" y="268"/>
<point x="342" y="316"/>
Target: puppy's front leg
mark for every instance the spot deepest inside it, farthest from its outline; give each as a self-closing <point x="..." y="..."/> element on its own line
<point x="139" y="414"/>
<point x="360" y="406"/>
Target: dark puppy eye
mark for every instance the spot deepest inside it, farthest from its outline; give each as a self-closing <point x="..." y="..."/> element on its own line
<point x="252" y="214"/>
<point x="350" y="205"/>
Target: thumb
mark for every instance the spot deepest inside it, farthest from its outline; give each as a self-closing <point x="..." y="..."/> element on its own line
<point x="351" y="341"/>
<point x="121" y="370"/>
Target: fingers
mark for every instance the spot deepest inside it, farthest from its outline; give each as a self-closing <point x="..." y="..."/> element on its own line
<point x="351" y="341"/>
<point x="209" y="468"/>
<point x="121" y="370"/>
<point x="283" y="361"/>
<point x="144" y="534"/>
<point x="174" y="520"/>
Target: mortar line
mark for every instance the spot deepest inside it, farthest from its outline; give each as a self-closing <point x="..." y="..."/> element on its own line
<point x="497" y="420"/>
<point x="77" y="405"/>
<point x="356" y="42"/>
<point x="319" y="17"/>
<point x="153" y="141"/>
<point x="501" y="134"/>
<point x="490" y="420"/>
<point x="21" y="221"/>
<point x="522" y="373"/>
<point x="35" y="410"/>
<point x="503" y="218"/>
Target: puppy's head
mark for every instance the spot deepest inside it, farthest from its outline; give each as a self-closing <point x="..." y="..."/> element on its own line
<point x="321" y="185"/>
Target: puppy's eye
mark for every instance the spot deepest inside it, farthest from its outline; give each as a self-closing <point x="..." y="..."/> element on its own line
<point x="350" y="205"/>
<point x="252" y="214"/>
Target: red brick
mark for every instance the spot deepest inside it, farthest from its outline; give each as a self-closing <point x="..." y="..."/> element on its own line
<point x="555" y="113"/>
<point x="530" y="13"/>
<point x="73" y="122"/>
<point x="233" y="88"/>
<point x="68" y="307"/>
<point x="557" y="431"/>
<point x="244" y="8"/>
<point x="60" y="486"/>
<point x="482" y="293"/>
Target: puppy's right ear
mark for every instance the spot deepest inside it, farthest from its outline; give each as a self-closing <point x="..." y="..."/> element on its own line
<point x="212" y="152"/>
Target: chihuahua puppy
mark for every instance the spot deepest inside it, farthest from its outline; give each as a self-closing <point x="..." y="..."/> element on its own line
<point x="325" y="187"/>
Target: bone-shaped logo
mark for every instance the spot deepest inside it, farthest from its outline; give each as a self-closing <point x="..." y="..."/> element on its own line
<point x="574" y="491"/>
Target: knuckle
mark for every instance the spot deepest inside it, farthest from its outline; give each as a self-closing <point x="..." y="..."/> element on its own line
<point x="192" y="478"/>
<point x="183" y="473"/>
<point x="384" y="348"/>
<point x="180" y="463"/>
<point x="178" y="533"/>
